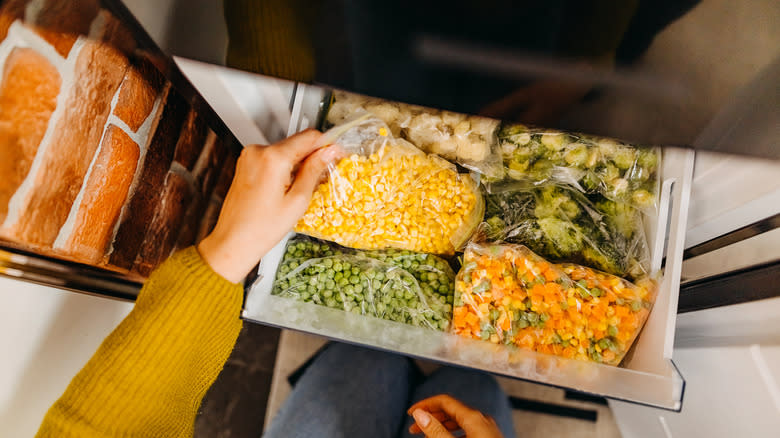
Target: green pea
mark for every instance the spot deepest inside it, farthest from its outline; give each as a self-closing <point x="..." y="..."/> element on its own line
<point x="636" y="305"/>
<point x="376" y="284"/>
<point x="358" y="288"/>
<point x="596" y="292"/>
<point x="305" y="296"/>
<point x="354" y="279"/>
<point x="355" y="271"/>
<point x="612" y="331"/>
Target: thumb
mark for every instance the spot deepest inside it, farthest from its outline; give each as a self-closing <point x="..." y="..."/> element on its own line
<point x="309" y="174"/>
<point x="429" y="425"/>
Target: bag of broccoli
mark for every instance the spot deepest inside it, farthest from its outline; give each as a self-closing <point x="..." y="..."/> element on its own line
<point x="467" y="140"/>
<point x="562" y="224"/>
<point x="618" y="171"/>
<point x="396" y="285"/>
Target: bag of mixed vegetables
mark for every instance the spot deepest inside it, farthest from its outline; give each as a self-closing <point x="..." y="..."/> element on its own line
<point x="389" y="194"/>
<point x="562" y="224"/>
<point x="506" y="294"/>
<point x="395" y="285"/>
<point x="620" y="172"/>
<point x="468" y="140"/>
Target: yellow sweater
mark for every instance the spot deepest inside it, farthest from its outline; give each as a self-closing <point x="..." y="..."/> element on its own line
<point x="150" y="374"/>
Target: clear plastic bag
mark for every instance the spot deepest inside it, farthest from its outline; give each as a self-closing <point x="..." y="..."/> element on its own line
<point x="618" y="171"/>
<point x="506" y="294"/>
<point x="468" y="140"/>
<point x="396" y="285"/>
<point x="389" y="194"/>
<point x="562" y="224"/>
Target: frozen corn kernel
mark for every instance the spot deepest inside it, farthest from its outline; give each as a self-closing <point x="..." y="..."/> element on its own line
<point x="394" y="199"/>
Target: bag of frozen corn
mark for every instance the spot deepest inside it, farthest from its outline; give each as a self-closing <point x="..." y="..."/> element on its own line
<point x="621" y="172"/>
<point x="388" y="194"/>
<point x="395" y="285"/>
<point x="468" y="140"/>
<point x="506" y="294"/>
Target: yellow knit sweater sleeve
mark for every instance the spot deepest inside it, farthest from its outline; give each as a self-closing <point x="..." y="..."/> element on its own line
<point x="150" y="374"/>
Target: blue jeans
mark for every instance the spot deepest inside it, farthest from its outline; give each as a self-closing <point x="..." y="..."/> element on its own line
<point x="350" y="391"/>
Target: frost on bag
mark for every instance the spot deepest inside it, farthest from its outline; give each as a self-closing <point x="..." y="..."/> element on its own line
<point x="389" y="194"/>
<point x="562" y="224"/>
<point x="506" y="294"/>
<point x="620" y="172"/>
<point x="468" y="140"/>
<point x="396" y="285"/>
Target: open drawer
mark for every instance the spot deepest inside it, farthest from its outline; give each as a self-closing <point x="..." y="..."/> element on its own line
<point x="647" y="375"/>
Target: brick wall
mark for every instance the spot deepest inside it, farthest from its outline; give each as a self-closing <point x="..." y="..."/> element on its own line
<point x="102" y="160"/>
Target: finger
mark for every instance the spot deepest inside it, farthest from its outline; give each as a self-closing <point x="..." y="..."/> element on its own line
<point x="447" y="404"/>
<point x="310" y="173"/>
<point x="448" y="424"/>
<point x="429" y="425"/>
<point x="300" y="145"/>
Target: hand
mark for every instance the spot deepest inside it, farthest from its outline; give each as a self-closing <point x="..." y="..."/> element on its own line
<point x="265" y="201"/>
<point x="437" y="416"/>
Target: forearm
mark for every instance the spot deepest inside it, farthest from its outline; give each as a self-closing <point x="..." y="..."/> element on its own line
<point x="150" y="374"/>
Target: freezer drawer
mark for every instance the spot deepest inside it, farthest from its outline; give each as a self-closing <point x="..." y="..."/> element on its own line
<point x="648" y="375"/>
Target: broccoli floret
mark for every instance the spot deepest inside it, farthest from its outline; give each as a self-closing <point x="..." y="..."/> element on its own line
<point x="577" y="154"/>
<point x="563" y="238"/>
<point x="624" y="157"/>
<point x="648" y="158"/>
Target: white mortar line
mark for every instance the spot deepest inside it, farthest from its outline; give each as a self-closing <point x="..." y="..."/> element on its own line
<point x="205" y="153"/>
<point x="66" y="68"/>
<point x="145" y="130"/>
<point x="67" y="228"/>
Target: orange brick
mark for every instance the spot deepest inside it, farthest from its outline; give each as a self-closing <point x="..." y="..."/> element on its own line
<point x="145" y="199"/>
<point x="28" y="96"/>
<point x="104" y="195"/>
<point x="140" y="88"/>
<point x="98" y="72"/>
<point x="62" y="22"/>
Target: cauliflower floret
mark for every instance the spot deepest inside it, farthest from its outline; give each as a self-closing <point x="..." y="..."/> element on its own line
<point x="423" y="130"/>
<point x="451" y="118"/>
<point x="341" y="110"/>
<point x="385" y="111"/>
<point x="473" y="151"/>
<point x="462" y="128"/>
<point x="445" y="148"/>
<point x="484" y="126"/>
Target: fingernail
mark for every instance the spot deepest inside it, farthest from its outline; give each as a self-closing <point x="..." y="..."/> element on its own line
<point x="421" y="417"/>
<point x="330" y="153"/>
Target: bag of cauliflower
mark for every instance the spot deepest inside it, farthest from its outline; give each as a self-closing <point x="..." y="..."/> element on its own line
<point x="467" y="140"/>
<point x="388" y="194"/>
